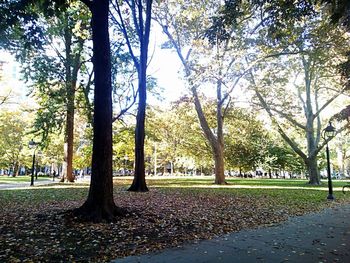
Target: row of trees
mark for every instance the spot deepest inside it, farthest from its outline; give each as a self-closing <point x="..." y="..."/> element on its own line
<point x="270" y="49"/>
<point x="173" y="140"/>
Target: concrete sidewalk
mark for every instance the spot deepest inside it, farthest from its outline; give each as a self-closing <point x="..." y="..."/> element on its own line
<point x="9" y="186"/>
<point x="318" y="237"/>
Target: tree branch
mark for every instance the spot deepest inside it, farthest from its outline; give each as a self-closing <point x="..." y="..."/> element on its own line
<point x="124" y="31"/>
<point x="291" y="142"/>
<point x="288" y="118"/>
<point x="328" y="102"/>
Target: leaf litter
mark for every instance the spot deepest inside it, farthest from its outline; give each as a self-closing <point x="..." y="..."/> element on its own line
<point x="161" y="218"/>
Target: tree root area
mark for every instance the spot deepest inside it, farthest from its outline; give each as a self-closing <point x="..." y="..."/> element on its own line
<point x="97" y="214"/>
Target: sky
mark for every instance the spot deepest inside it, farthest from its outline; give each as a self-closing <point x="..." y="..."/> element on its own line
<point x="11" y="83"/>
<point x="165" y="66"/>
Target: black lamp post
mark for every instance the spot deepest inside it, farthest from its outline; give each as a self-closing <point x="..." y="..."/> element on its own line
<point x="328" y="133"/>
<point x="32" y="145"/>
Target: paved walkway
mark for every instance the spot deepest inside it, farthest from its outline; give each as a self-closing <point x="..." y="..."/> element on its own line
<point x="8" y="186"/>
<point x="319" y="237"/>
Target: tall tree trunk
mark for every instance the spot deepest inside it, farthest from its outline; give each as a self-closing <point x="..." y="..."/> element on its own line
<point x="71" y="88"/>
<point x="219" y="147"/>
<point x="311" y="161"/>
<point x="70" y="136"/>
<point x="70" y="97"/>
<point x="100" y="205"/>
<point x="139" y="182"/>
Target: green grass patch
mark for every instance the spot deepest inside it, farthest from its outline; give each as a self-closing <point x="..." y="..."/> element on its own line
<point x="186" y="182"/>
<point x="42" y="195"/>
<point x="292" y="198"/>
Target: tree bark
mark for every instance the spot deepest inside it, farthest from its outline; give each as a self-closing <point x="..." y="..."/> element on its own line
<point x="312" y="167"/>
<point x="100" y="205"/>
<point x="70" y="137"/>
<point x="16" y="169"/>
<point x="219" y="165"/>
<point x="139" y="182"/>
<point x="72" y="69"/>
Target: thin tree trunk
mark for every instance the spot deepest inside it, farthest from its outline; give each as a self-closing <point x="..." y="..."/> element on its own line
<point x="70" y="137"/>
<point x="15" y="169"/>
<point x="64" y="163"/>
<point x="139" y="182"/>
<point x="219" y="147"/>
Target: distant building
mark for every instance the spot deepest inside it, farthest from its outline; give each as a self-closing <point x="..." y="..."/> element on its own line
<point x="12" y="89"/>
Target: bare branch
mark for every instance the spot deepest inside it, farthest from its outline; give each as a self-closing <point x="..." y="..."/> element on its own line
<point x="3" y="99"/>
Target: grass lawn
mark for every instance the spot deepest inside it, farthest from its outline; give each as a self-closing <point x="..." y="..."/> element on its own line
<point x="34" y="227"/>
<point x="204" y="181"/>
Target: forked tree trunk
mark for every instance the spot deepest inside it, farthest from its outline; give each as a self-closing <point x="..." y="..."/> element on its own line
<point x="216" y="142"/>
<point x="100" y="205"/>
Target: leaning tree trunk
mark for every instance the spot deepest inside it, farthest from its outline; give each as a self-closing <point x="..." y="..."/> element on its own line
<point x="100" y="205"/>
<point x="216" y="142"/>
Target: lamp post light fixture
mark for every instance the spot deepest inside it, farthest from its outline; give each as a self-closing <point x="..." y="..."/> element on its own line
<point x="32" y="145"/>
<point x="328" y="133"/>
